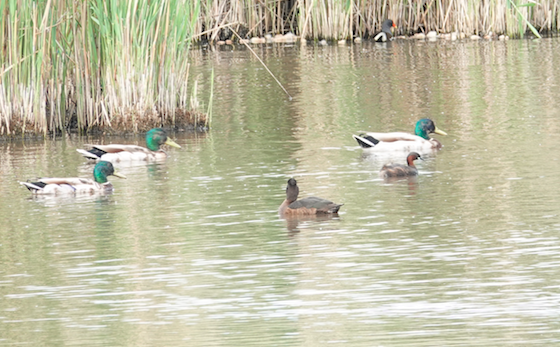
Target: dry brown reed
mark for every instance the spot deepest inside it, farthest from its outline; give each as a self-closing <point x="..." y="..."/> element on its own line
<point x="345" y="19"/>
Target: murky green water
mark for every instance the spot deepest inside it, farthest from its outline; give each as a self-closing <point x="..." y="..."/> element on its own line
<point x="192" y="252"/>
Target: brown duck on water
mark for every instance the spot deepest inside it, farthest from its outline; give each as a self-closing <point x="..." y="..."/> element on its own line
<point x="308" y="206"/>
<point x="400" y="170"/>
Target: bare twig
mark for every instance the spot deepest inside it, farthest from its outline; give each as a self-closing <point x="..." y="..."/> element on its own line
<point x="266" y="67"/>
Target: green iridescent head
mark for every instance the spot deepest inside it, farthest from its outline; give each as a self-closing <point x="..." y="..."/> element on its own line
<point x="104" y="169"/>
<point x="157" y="137"/>
<point x="425" y="127"/>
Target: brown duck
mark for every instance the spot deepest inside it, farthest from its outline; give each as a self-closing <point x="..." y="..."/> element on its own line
<point x="308" y="206"/>
<point x="400" y="170"/>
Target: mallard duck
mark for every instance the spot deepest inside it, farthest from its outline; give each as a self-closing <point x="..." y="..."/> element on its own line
<point x="308" y="206"/>
<point x="155" y="138"/>
<point x="76" y="185"/>
<point x="400" y="170"/>
<point x="400" y="141"/>
<point x="385" y="33"/>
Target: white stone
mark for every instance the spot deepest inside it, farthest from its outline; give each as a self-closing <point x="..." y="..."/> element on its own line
<point x="289" y="37"/>
<point x="278" y="38"/>
<point x="432" y="35"/>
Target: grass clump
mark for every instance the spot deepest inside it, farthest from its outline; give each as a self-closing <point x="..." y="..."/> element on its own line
<point x="95" y="64"/>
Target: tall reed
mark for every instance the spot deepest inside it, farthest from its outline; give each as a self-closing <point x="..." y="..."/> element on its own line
<point x="94" y="63"/>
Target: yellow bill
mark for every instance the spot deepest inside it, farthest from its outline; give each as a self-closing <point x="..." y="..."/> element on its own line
<point x="172" y="143"/>
<point x="439" y="131"/>
<point x="119" y="175"/>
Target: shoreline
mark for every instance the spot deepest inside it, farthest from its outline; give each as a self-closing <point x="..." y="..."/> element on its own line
<point x="430" y="36"/>
<point x="189" y="121"/>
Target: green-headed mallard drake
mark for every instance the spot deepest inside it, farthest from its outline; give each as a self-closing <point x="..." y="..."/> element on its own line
<point x="76" y="185"/>
<point x="400" y="141"/>
<point x="400" y="170"/>
<point x="385" y="34"/>
<point x="308" y="206"/>
<point x="155" y="138"/>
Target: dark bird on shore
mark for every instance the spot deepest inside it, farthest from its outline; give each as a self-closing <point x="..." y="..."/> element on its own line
<point x="385" y="33"/>
<point x="400" y="170"/>
<point x="308" y="206"/>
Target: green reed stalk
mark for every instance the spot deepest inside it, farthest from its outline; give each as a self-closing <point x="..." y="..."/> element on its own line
<point x="522" y="19"/>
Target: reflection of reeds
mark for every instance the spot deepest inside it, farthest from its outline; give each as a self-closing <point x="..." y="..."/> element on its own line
<point x="124" y="64"/>
<point x="89" y="64"/>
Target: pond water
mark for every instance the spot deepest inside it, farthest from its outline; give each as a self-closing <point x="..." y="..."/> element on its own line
<point x="192" y="251"/>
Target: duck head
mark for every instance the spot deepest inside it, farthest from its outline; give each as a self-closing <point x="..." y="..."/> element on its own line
<point x="292" y="190"/>
<point x="104" y="169"/>
<point x="388" y="25"/>
<point x="425" y="127"/>
<point x="412" y="156"/>
<point x="157" y="137"/>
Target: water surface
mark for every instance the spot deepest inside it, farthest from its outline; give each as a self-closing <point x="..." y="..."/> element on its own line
<point x="191" y="251"/>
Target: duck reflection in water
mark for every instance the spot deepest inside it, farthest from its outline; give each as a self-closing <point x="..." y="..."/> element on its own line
<point x="98" y="199"/>
<point x="295" y="224"/>
<point x="406" y="185"/>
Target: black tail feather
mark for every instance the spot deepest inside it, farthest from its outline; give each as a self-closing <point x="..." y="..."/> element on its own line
<point x="366" y="141"/>
<point x="97" y="152"/>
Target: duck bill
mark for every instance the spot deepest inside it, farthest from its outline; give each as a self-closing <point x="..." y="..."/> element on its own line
<point x="119" y="175"/>
<point x="440" y="132"/>
<point x="172" y="143"/>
